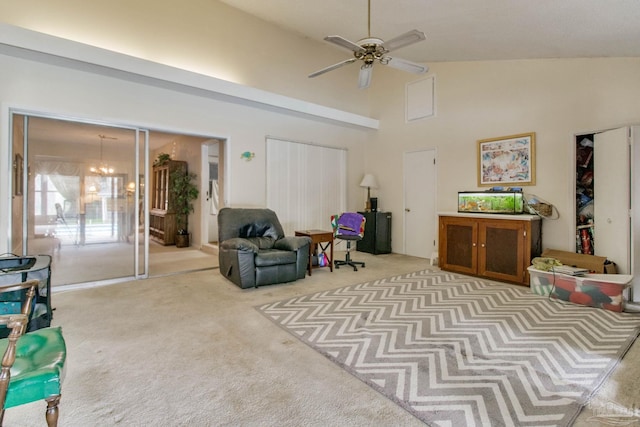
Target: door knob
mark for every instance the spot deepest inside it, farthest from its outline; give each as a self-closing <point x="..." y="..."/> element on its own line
<point x="407" y="210"/>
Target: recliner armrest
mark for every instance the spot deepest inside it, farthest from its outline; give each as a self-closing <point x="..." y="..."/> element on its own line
<point x="292" y="243"/>
<point x="239" y="244"/>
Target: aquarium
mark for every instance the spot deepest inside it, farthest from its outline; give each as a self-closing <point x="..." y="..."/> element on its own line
<point x="495" y="202"/>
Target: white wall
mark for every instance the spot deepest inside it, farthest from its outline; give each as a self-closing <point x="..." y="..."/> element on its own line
<point x="475" y="100"/>
<point x="204" y="36"/>
<point x="44" y="88"/>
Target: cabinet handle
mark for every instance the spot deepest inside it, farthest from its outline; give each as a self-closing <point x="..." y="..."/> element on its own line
<point x="474" y="244"/>
<point x="482" y="245"/>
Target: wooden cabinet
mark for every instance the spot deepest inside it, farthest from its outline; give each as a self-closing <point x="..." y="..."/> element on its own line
<point x="162" y="217"/>
<point x="498" y="248"/>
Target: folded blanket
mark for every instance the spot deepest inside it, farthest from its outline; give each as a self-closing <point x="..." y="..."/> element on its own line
<point x="351" y="223"/>
<point x="544" y="263"/>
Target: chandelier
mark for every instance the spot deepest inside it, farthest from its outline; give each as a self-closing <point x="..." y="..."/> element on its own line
<point x="103" y="168"/>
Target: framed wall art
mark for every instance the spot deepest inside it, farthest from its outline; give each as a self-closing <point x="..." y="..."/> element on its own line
<point x="507" y="160"/>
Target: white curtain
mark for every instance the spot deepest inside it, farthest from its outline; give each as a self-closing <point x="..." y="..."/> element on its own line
<point x="65" y="176"/>
<point x="306" y="184"/>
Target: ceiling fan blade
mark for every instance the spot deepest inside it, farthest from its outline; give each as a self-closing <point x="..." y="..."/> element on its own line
<point x="403" y="40"/>
<point x="342" y="42"/>
<point x="404" y="65"/>
<point x="364" y="78"/>
<point x="332" y="67"/>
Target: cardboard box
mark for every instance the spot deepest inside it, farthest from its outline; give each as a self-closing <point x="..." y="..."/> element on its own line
<point x="595" y="264"/>
<point x="594" y="290"/>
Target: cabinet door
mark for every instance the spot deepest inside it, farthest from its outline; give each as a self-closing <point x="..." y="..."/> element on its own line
<point x="501" y="250"/>
<point x="368" y="242"/>
<point x="611" y="189"/>
<point x="458" y="244"/>
<point x="383" y="233"/>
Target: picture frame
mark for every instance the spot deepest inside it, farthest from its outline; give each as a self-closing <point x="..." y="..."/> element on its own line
<point x="18" y="172"/>
<point x="507" y="160"/>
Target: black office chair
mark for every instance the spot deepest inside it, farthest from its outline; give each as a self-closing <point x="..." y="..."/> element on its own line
<point x="349" y="227"/>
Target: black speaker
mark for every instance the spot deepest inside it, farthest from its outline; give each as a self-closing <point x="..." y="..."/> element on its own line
<point x="374" y="204"/>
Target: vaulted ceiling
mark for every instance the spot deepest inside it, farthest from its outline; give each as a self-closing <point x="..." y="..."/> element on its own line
<point x="462" y="30"/>
<point x="456" y="30"/>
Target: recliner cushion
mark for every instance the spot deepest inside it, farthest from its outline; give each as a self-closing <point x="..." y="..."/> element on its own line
<point x="262" y="242"/>
<point x="268" y="257"/>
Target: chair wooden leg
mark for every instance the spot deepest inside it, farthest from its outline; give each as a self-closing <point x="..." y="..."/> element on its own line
<point x="52" y="411"/>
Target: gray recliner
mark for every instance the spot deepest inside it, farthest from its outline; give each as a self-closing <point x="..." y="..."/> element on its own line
<point x="253" y="250"/>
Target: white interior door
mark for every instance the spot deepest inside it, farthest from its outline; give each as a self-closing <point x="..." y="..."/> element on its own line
<point x="611" y="192"/>
<point x="420" y="203"/>
<point x="210" y="181"/>
<point x="635" y="209"/>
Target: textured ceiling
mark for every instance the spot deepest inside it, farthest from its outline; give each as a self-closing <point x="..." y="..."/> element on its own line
<point x="467" y="30"/>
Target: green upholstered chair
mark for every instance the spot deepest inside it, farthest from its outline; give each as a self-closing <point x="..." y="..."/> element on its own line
<point x="33" y="363"/>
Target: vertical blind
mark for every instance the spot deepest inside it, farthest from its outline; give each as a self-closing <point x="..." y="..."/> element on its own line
<point x="306" y="184"/>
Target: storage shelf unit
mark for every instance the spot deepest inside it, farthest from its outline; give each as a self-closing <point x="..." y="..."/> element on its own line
<point x="493" y="246"/>
<point x="162" y="217"/>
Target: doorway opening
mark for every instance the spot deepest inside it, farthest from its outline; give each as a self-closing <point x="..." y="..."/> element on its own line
<point x="212" y="182"/>
<point x="81" y="196"/>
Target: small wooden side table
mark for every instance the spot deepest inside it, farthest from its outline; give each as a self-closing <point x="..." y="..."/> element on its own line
<point x="318" y="237"/>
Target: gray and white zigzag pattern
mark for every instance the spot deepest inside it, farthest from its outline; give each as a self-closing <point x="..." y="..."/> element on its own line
<point x="456" y="350"/>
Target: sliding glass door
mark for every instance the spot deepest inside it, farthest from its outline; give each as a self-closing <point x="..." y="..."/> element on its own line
<point x="80" y="197"/>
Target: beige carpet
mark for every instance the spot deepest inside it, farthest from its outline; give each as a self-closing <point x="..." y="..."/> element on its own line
<point x="81" y="264"/>
<point x="192" y="350"/>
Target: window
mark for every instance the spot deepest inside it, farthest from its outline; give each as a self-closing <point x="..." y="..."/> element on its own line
<point x="46" y="196"/>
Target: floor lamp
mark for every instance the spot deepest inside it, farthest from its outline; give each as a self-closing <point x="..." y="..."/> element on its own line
<point x="369" y="181"/>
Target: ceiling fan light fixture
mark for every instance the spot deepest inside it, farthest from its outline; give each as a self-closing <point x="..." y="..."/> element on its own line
<point x="371" y="49"/>
<point x="364" y="78"/>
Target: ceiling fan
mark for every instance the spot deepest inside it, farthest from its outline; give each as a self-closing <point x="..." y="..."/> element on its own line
<point x="371" y="49"/>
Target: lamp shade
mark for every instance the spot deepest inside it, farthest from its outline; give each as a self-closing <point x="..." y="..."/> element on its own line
<point x="369" y="181"/>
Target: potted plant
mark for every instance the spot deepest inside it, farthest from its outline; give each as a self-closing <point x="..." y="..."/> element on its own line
<point x="184" y="193"/>
<point x="162" y="159"/>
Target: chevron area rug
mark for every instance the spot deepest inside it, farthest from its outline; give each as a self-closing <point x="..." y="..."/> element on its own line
<point x="462" y="351"/>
